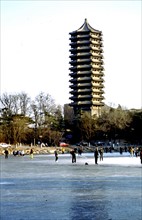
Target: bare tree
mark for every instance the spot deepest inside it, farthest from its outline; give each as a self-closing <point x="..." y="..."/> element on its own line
<point x="20" y="128"/>
<point x="24" y="102"/>
<point x="16" y="103"/>
<point x="7" y="103"/>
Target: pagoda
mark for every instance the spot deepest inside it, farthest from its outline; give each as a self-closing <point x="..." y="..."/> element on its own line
<point x="86" y="70"/>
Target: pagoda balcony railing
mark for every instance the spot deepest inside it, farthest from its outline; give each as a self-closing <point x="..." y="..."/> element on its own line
<point x="84" y="72"/>
<point x="83" y="36"/>
<point x="78" y="85"/>
<point x="96" y="41"/>
<point x="98" y="97"/>
<point x="97" y="79"/>
<point x="81" y="97"/>
<point x="80" y="42"/>
<point x="97" y="85"/>
<point x="84" y="90"/>
<point x="84" y="60"/>
<point x="84" y="103"/>
<point x="76" y="74"/>
<point x="98" y="73"/>
<point x="97" y="61"/>
<point x="96" y="48"/>
<point x="94" y="90"/>
<point x="78" y="55"/>
<point x="96" y="36"/>
<point x="84" y="79"/>
<point x="80" y="79"/>
<point x="79" y="61"/>
<point x="94" y="52"/>
<point x="83" y="66"/>
<point x="97" y="54"/>
<point x="75" y="37"/>
<point x="84" y="84"/>
<point x="99" y="50"/>
<point x="97" y="103"/>
<point x="97" y="45"/>
<point x="80" y="67"/>
<point x="79" y="45"/>
<point x="80" y="48"/>
<point x="93" y="41"/>
<point x="76" y="51"/>
<point x="97" y="67"/>
<point x="81" y="91"/>
<point x="85" y="96"/>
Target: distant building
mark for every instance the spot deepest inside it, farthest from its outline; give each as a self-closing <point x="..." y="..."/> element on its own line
<point x="86" y="71"/>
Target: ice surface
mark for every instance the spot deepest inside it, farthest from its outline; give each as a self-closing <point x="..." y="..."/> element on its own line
<point x="42" y="189"/>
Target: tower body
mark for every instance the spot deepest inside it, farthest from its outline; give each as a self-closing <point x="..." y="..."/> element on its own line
<point x="86" y="70"/>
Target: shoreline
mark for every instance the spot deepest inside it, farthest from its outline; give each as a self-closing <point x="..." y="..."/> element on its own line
<point x="36" y="149"/>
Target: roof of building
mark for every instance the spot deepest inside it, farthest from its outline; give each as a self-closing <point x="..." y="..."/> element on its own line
<point x="86" y="27"/>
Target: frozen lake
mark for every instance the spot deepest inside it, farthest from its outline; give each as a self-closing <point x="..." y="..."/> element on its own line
<point x="42" y="189"/>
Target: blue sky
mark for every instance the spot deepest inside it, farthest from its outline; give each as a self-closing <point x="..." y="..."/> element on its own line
<point x="35" y="47"/>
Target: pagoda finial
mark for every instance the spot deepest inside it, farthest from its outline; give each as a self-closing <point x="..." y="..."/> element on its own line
<point x="86" y="20"/>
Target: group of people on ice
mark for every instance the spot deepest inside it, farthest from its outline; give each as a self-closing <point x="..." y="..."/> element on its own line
<point x="98" y="153"/>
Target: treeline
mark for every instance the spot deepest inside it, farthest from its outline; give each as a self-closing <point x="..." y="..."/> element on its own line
<point x="114" y="125"/>
<point x="23" y="120"/>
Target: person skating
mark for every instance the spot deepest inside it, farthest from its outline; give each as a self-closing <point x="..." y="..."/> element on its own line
<point x="31" y="154"/>
<point x="141" y="156"/>
<point x="6" y="154"/>
<point x="101" y="151"/>
<point x="56" y="155"/>
<point x="73" y="153"/>
<point x="96" y="153"/>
